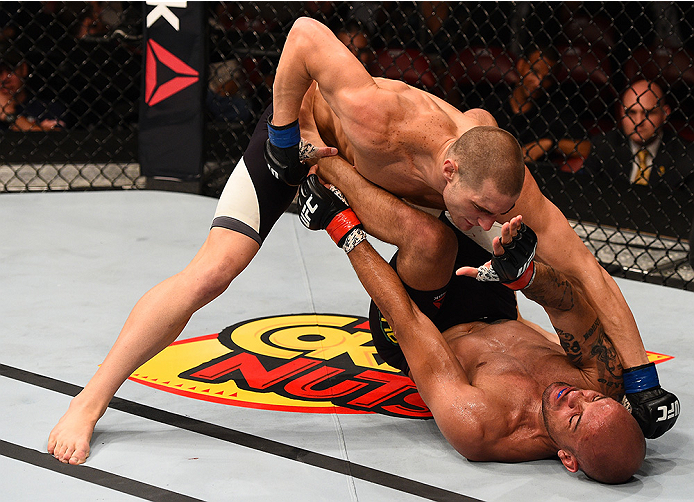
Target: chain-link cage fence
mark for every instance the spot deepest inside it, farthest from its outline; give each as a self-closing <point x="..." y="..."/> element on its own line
<point x="70" y="88"/>
<point x="597" y="93"/>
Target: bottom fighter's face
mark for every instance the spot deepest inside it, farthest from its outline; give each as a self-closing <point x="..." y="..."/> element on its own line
<point x="571" y="414"/>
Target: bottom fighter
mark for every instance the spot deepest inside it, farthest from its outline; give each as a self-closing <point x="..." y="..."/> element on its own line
<point x="498" y="389"/>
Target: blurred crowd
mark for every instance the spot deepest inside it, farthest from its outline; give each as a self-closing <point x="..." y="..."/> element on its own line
<point x="77" y="63"/>
<point x="590" y="87"/>
<point x="566" y="79"/>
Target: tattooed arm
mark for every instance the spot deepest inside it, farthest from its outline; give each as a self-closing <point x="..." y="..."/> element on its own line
<point x="581" y="334"/>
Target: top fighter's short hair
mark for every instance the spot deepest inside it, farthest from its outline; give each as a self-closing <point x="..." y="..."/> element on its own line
<point x="488" y="152"/>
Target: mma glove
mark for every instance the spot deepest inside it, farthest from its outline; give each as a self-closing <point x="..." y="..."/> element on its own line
<point x="655" y="409"/>
<point x="515" y="268"/>
<point x="323" y="208"/>
<point x="282" y="153"/>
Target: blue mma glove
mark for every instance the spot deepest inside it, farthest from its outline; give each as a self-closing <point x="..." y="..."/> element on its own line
<point x="655" y="409"/>
<point x="282" y="153"/>
<point x="321" y="208"/>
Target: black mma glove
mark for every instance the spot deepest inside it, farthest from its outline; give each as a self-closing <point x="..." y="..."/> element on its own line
<point x="282" y="153"/>
<point x="655" y="409"/>
<point x="321" y="208"/>
<point x="515" y="268"/>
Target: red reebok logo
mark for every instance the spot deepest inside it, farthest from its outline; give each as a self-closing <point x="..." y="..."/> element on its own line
<point x="156" y="92"/>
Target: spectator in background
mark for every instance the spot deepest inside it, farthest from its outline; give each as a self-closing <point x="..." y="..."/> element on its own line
<point x="642" y="150"/>
<point x="20" y="110"/>
<point x="370" y="15"/>
<point x="536" y="112"/>
<point x="442" y="30"/>
<point x="325" y="12"/>
<point x="254" y="25"/>
<point x="226" y="100"/>
<point x="98" y="19"/>
<point x="356" y="39"/>
<point x="36" y="26"/>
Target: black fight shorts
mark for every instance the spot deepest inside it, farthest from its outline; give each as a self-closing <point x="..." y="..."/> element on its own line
<point x="253" y="199"/>
<point x="463" y="300"/>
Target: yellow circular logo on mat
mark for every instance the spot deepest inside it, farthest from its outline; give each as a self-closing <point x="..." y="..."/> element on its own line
<point x="309" y="363"/>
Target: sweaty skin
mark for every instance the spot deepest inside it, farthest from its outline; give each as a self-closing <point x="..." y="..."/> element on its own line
<point x="398" y="152"/>
<point x="495" y="390"/>
<point x="510" y="364"/>
<point x="398" y="138"/>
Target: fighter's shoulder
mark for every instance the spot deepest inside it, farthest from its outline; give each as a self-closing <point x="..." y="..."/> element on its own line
<point x="408" y="95"/>
<point x="380" y="95"/>
<point x="502" y="437"/>
<point x="391" y="103"/>
<point x="388" y="84"/>
<point x="480" y="117"/>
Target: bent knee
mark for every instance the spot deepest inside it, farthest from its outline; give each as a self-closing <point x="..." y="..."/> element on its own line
<point x="223" y="257"/>
<point x="435" y="243"/>
<point x="210" y="282"/>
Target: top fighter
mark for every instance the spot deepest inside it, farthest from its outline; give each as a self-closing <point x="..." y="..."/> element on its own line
<point x="403" y="139"/>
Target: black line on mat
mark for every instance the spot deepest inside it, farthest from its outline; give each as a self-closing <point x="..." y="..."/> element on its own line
<point x="248" y="440"/>
<point x="92" y="475"/>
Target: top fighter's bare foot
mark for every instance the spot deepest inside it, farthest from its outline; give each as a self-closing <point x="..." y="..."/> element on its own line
<point x="69" y="439"/>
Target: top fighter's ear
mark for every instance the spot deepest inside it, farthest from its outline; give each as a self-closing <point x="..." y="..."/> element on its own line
<point x="569" y="460"/>
<point x="450" y="168"/>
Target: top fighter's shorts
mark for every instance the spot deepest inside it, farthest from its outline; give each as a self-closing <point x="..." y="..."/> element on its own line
<point x="463" y="300"/>
<point x="253" y="199"/>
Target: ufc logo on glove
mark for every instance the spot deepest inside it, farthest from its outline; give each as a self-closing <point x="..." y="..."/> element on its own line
<point x="672" y="412"/>
<point x="307" y="211"/>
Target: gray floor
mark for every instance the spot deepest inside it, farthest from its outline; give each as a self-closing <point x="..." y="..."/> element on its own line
<point x="73" y="264"/>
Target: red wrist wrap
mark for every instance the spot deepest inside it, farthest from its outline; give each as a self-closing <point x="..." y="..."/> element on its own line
<point x="524" y="280"/>
<point x="341" y="224"/>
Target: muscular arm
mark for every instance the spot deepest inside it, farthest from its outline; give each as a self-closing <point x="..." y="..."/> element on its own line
<point x="313" y="53"/>
<point x="560" y="247"/>
<point x="462" y="412"/>
<point x="580" y="332"/>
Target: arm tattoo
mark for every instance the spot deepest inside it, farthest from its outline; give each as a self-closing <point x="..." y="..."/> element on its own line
<point x="595" y="345"/>
<point x="609" y="366"/>
<point x="571" y="346"/>
<point x="551" y="289"/>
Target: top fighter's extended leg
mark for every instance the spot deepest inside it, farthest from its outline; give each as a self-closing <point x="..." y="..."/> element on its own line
<point x="250" y="205"/>
<point x="155" y="321"/>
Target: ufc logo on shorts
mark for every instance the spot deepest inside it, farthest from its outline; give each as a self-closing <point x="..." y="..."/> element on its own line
<point x="671" y="412"/>
<point x="307" y="211"/>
